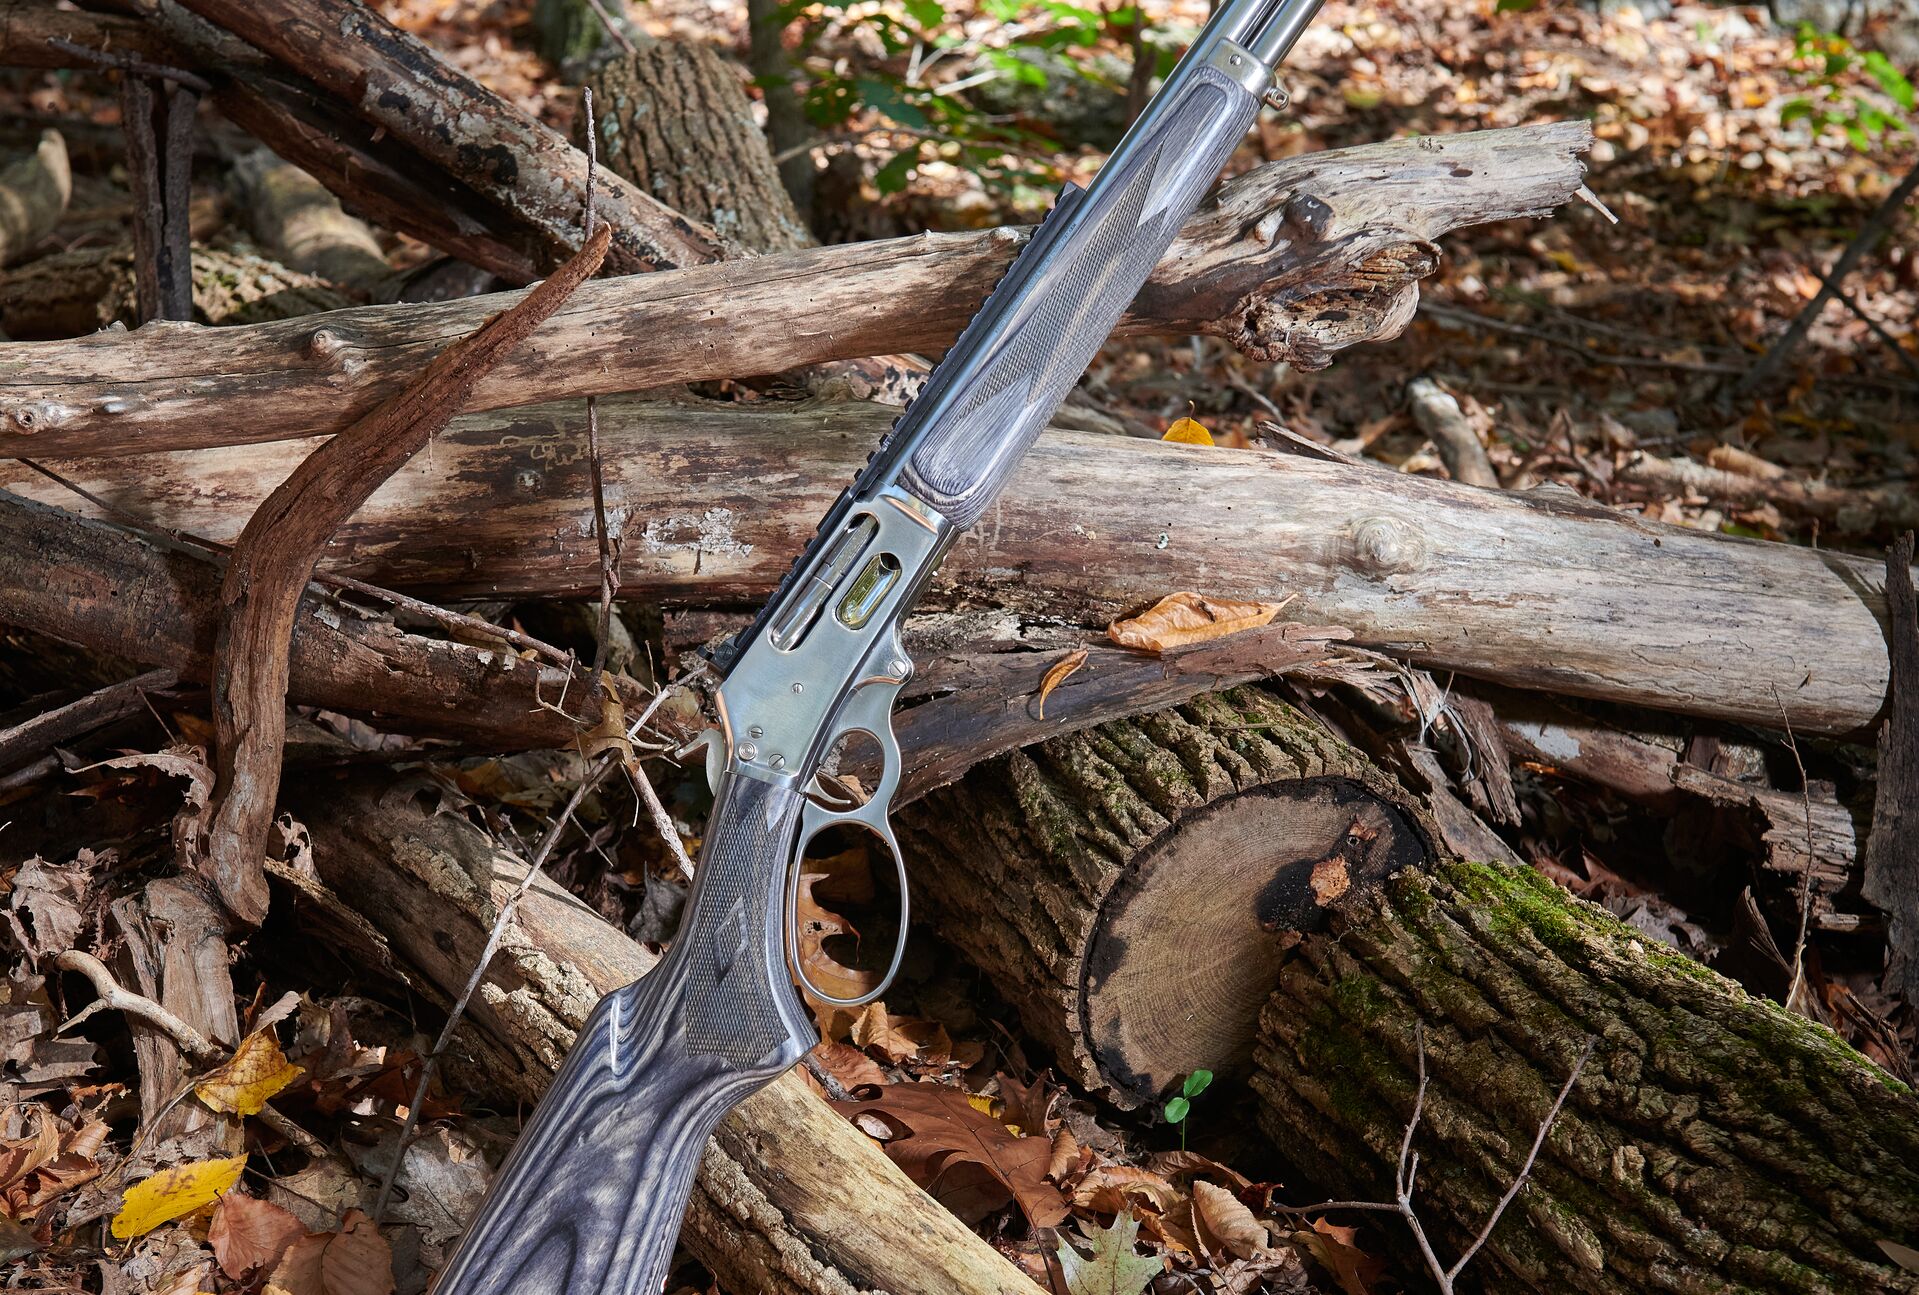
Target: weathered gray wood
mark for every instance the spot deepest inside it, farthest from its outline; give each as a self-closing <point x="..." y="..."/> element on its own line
<point x="1293" y="261"/>
<point x="1540" y="590"/>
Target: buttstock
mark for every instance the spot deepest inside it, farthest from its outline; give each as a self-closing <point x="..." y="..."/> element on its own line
<point x="590" y="1199"/>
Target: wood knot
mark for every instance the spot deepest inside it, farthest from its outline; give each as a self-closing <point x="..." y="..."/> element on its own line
<point x="529" y="481"/>
<point x="1307" y="216"/>
<point x="38" y="416"/>
<point x="1385" y="545"/>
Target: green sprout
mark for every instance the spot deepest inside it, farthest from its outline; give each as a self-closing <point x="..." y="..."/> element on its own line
<point x="1180" y="1107"/>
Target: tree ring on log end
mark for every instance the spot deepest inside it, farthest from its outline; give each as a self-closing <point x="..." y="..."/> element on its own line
<point x="1189" y="943"/>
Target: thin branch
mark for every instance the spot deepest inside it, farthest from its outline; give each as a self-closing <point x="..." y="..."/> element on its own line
<point x="1805" y="878"/>
<point x="131" y="63"/>
<point x="609" y="574"/>
<point x="618" y="33"/>
<point x="602" y="766"/>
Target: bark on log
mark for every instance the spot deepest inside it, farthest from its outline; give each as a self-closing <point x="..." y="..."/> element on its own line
<point x="790" y="1200"/>
<point x="1130" y="889"/>
<point x="395" y="82"/>
<point x="91" y="288"/>
<point x="297" y="220"/>
<point x="1714" y="1142"/>
<point x="1293" y="261"/>
<point x="1538" y="590"/>
<point x="674" y="119"/>
<point x="117" y="592"/>
<point x="29" y="28"/>
<point x="34" y="192"/>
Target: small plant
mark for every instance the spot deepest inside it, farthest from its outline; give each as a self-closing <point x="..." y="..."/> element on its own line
<point x="1178" y="1108"/>
<point x="1832" y="74"/>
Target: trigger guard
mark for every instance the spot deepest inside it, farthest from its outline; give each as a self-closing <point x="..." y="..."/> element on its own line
<point x="813" y="820"/>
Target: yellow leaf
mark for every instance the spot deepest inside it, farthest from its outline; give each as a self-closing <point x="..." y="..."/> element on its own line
<point x="256" y="1071"/>
<point x="1182" y="618"/>
<point x="174" y="1193"/>
<point x="1188" y="431"/>
<point x="1065" y="666"/>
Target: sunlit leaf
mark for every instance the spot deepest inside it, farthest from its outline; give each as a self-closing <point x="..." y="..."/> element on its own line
<point x="1112" y="1268"/>
<point x="1062" y="669"/>
<point x="1184" y="618"/>
<point x="174" y="1193"/>
<point x="1188" y="431"/>
<point x="256" y="1071"/>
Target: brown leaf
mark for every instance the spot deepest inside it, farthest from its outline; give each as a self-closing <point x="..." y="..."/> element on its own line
<point x="1112" y="1189"/>
<point x="817" y="925"/>
<point x="249" y="1234"/>
<point x="846" y="1063"/>
<point x="966" y="1159"/>
<point x="1184" y="618"/>
<point x="1062" y="668"/>
<point x="1332" y="1246"/>
<point x="1065" y="1161"/>
<point x="1029" y="1107"/>
<point x="1225" y="1224"/>
<point x="900" y="1038"/>
<point x="356" y="1260"/>
<point x="1182" y="1163"/>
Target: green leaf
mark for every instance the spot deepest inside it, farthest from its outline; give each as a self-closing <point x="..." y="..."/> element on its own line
<point x="888" y="98"/>
<point x="1004" y="10"/>
<point x="1178" y="1109"/>
<point x="927" y="13"/>
<point x="1857" y="134"/>
<point x="1890" y="79"/>
<point x="1515" y="6"/>
<point x="1022" y="70"/>
<point x="1112" y="1268"/>
<point x="1797" y="110"/>
<point x="1197" y="1082"/>
<point x="893" y="176"/>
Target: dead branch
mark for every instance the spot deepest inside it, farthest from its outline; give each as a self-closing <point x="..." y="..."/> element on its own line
<point x="1892" y="847"/>
<point x="34" y="192"/>
<point x="1293" y="261"/>
<point x="274" y="558"/>
<point x="1536" y="589"/>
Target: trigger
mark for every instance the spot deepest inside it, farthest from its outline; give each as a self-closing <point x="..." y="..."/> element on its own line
<point x="715" y="756"/>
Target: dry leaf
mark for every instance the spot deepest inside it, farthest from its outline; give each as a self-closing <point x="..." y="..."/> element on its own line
<point x="1226" y="1225"/>
<point x="847" y="1064"/>
<point x="1332" y="1246"/>
<point x="1175" y="1165"/>
<point x="249" y="1234"/>
<point x="255" y="1072"/>
<point x="1180" y="619"/>
<point x="1062" y="668"/>
<point x="1112" y="1189"/>
<point x="1066" y="1156"/>
<point x="1112" y="1268"/>
<point x="966" y="1159"/>
<point x="1188" y="431"/>
<point x="817" y="925"/>
<point x="1029" y="1107"/>
<point x="174" y="1193"/>
<point x="356" y="1260"/>
<point x="900" y="1038"/>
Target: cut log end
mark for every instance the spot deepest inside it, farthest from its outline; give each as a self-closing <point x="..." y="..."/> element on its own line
<point x="1132" y="888"/>
<point x="1186" y="948"/>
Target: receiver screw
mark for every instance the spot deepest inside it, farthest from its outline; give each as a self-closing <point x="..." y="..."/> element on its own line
<point x="799" y="687"/>
<point x="748" y="751"/>
<point x="776" y="761"/>
<point x="756" y="731"/>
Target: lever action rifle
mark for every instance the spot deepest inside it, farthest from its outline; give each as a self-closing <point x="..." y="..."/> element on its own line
<point x="590" y="1200"/>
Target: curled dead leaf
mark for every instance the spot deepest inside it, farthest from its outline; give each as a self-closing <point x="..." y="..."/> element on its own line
<point x="1225" y="1224"/>
<point x="255" y="1072"/>
<point x="249" y="1235"/>
<point x="817" y="925"/>
<point x="1113" y="1189"/>
<point x="1184" y="618"/>
<point x="1062" y="669"/>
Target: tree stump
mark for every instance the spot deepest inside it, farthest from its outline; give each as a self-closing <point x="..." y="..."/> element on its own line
<point x="1714" y="1142"/>
<point x="1132" y="888"/>
<point x="674" y="119"/>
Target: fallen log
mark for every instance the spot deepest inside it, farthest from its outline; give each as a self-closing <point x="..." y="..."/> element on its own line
<point x="34" y="192"/>
<point x="297" y="220"/>
<point x="1541" y="590"/>
<point x="790" y="1199"/>
<point x="137" y="598"/>
<point x="1131" y="889"/>
<point x="1292" y="261"/>
<point x="529" y="171"/>
<point x="1714" y="1142"/>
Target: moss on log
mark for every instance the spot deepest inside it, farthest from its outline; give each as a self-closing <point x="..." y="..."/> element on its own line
<point x="1714" y="1142"/>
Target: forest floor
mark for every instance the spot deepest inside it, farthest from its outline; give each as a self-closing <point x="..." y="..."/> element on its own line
<point x="1580" y="347"/>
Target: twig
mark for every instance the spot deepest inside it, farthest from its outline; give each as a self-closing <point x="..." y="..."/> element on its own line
<point x="131" y="63"/>
<point x="613" y="29"/>
<point x="1767" y="366"/>
<point x="1408" y="1170"/>
<point x="1879" y="330"/>
<point x="609" y="576"/>
<point x="602" y="766"/>
<point x="201" y="1050"/>
<point x="1805" y="878"/>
